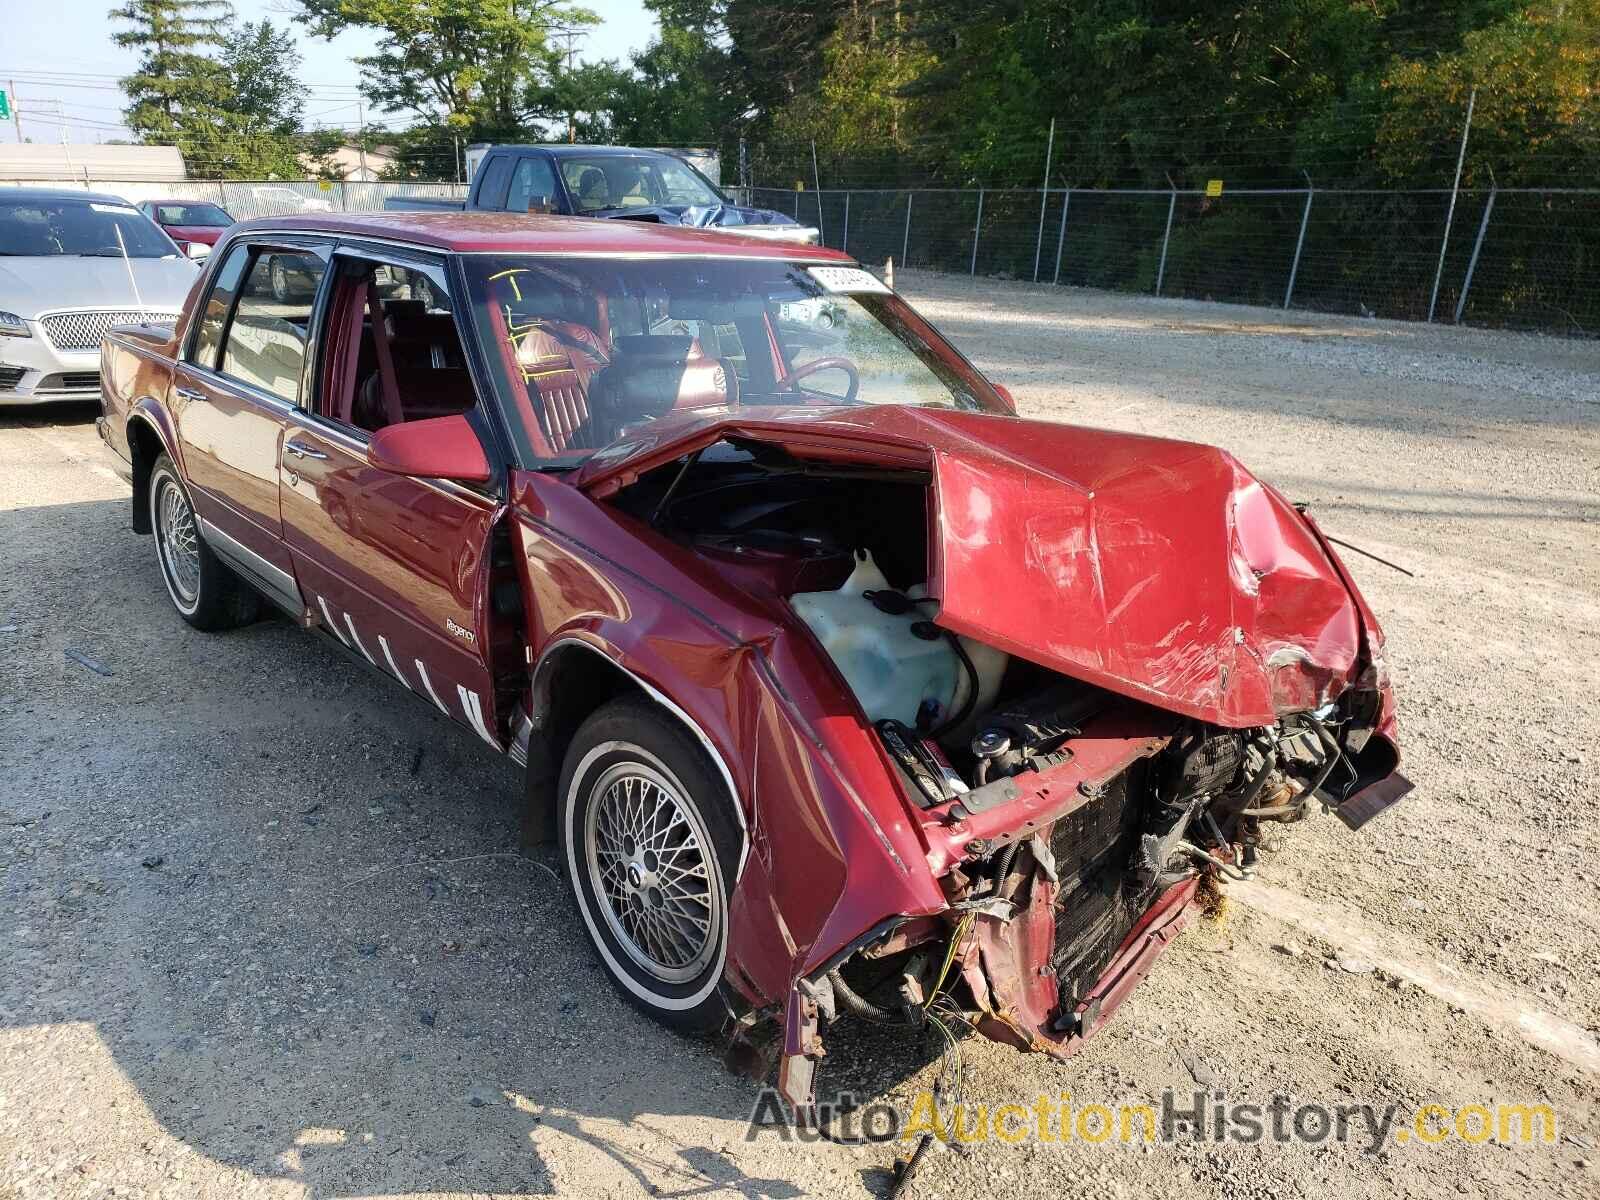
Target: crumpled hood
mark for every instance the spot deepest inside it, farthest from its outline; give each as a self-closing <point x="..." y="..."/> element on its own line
<point x="1157" y="569"/>
<point x="701" y="216"/>
<point x="30" y="285"/>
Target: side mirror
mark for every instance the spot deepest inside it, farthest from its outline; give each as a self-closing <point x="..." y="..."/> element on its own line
<point x="1005" y="394"/>
<point x="437" y="448"/>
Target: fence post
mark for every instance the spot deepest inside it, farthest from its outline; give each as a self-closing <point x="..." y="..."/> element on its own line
<point x="1044" y="198"/>
<point x="1161" y="271"/>
<point x="797" y="204"/>
<point x="816" y="181"/>
<point x="1472" y="263"/>
<point x="1450" y="213"/>
<point x="905" y="238"/>
<point x="1294" y="267"/>
<point x="844" y="241"/>
<point x="1061" y="234"/>
<point x="977" y="227"/>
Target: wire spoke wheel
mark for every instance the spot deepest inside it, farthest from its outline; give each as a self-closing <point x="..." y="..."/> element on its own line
<point x="648" y="855"/>
<point x="179" y="541"/>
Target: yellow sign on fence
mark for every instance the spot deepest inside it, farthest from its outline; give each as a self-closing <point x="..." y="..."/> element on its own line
<point x="1213" y="187"/>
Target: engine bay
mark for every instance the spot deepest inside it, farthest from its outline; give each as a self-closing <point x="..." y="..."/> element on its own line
<point x="847" y="548"/>
<point x="1079" y="752"/>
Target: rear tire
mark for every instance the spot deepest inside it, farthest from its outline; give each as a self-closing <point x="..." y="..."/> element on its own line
<point x="652" y="848"/>
<point x="204" y="591"/>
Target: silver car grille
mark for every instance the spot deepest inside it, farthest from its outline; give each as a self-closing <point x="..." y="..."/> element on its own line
<point x="83" y="330"/>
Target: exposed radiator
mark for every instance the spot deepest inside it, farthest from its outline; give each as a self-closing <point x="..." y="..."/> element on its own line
<point x="1100" y="898"/>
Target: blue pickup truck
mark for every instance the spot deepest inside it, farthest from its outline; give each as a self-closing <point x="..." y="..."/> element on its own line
<point x="617" y="182"/>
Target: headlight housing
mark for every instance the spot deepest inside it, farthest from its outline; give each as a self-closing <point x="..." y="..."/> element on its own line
<point x="12" y="325"/>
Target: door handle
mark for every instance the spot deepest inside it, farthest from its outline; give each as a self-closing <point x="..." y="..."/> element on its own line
<point x="301" y="450"/>
<point x="189" y="393"/>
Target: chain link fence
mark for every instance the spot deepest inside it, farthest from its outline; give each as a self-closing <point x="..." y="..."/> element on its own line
<point x="1508" y="257"/>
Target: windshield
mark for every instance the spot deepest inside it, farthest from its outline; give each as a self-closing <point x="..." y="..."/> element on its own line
<point x="46" y="228"/>
<point x="587" y="350"/>
<point x="204" y="216"/>
<point x="626" y="181"/>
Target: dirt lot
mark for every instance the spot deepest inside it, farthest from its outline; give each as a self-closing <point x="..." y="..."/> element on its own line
<point x="265" y="932"/>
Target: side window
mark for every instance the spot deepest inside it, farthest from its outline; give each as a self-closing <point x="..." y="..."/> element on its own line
<point x="394" y="353"/>
<point x="533" y="187"/>
<point x="224" y="287"/>
<point x="266" y="340"/>
<point x="495" y="177"/>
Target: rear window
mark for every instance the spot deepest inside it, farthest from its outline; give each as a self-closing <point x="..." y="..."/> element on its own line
<point x="492" y="193"/>
<point x="266" y="339"/>
<point x="200" y="216"/>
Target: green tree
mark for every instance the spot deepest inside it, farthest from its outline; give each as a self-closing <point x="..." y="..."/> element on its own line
<point x="259" y="135"/>
<point x="464" y="65"/>
<point x="177" y="94"/>
<point x="1537" y="115"/>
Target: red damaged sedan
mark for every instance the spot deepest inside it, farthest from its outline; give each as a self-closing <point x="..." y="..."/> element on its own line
<point x="826" y="667"/>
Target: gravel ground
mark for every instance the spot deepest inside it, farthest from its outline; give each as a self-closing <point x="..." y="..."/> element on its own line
<point x="267" y="933"/>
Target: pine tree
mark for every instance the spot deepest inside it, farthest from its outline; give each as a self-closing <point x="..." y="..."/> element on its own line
<point x="177" y="94"/>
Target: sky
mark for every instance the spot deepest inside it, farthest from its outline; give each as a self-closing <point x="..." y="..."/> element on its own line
<point x="61" y="79"/>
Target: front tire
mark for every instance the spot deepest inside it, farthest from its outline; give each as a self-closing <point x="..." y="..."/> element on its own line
<point x="652" y="849"/>
<point x="204" y="591"/>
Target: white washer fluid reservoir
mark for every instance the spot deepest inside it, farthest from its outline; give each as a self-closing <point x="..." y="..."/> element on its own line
<point x="891" y="670"/>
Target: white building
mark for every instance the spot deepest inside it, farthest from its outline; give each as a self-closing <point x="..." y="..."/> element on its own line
<point x="49" y="162"/>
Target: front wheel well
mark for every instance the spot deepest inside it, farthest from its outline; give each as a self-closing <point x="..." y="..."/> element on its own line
<point x="572" y="681"/>
<point x="144" y="447"/>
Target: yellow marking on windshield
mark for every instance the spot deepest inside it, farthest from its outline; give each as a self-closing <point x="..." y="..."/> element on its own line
<point x="511" y="274"/>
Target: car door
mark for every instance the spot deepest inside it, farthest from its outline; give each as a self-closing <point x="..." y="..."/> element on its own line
<point x="240" y="376"/>
<point x="396" y="568"/>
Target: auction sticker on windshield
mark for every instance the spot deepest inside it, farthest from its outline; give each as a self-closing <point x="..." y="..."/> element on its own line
<point x="847" y="279"/>
<point x="120" y="209"/>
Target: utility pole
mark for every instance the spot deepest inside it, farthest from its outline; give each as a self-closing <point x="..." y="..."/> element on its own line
<point x="16" y="117"/>
<point x="572" y="128"/>
<point x="361" y="125"/>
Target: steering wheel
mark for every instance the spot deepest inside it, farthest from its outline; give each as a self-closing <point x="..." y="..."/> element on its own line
<point x="828" y="364"/>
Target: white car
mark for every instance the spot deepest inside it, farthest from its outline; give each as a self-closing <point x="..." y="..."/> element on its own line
<point x="72" y="265"/>
<point x="268" y="200"/>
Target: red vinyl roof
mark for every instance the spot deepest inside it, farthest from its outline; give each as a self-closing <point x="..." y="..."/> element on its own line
<point x="513" y="233"/>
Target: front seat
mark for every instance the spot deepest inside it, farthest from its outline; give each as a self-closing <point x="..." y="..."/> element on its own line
<point x="592" y="190"/>
<point x="557" y="358"/>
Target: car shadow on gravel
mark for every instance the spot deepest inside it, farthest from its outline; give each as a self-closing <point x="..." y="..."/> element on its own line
<point x="294" y="907"/>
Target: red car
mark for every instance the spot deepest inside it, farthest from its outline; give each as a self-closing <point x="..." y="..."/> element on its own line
<point x="845" y="690"/>
<point x="193" y="224"/>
